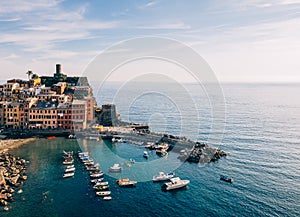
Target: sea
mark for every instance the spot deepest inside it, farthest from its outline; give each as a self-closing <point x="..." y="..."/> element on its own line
<point x="258" y="125"/>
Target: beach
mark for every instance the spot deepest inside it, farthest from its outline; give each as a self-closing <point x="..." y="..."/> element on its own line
<point x="7" y="144"/>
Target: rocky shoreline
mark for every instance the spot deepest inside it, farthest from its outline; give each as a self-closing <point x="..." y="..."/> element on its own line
<point x="12" y="177"/>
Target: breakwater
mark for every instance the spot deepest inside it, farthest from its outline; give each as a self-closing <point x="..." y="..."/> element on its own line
<point x="189" y="150"/>
<point x="12" y="177"/>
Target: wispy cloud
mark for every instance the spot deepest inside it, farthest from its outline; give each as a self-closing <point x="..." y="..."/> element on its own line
<point x="15" y="19"/>
<point x="13" y="6"/>
<point x="175" y="25"/>
<point x="148" y="4"/>
<point x="11" y="56"/>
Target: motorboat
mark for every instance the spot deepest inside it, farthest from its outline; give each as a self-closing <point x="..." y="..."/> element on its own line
<point x="100" y="184"/>
<point x="91" y="168"/>
<point x="72" y="169"/>
<point x="163" y="177"/>
<point x="68" y="175"/>
<point x="70" y="166"/>
<point x="132" y="161"/>
<point x="174" y="184"/>
<point x="146" y="155"/>
<point x="101" y="188"/>
<point x="126" y="183"/>
<point x="116" y="168"/>
<point x="226" y="179"/>
<point x="96" y="175"/>
<point x="97" y="180"/>
<point x="103" y="193"/>
<point x="107" y="198"/>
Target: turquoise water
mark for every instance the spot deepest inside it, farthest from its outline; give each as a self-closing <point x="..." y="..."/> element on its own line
<point x="261" y="135"/>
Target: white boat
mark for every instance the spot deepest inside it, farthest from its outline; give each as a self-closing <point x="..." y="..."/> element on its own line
<point x="72" y="169"/>
<point x="146" y="155"/>
<point x="67" y="175"/>
<point x="126" y="183"/>
<point x="162" y="177"/>
<point x="83" y="154"/>
<point x="97" y="180"/>
<point x="116" y="168"/>
<point x="103" y="193"/>
<point x="68" y="161"/>
<point x="175" y="183"/>
<point x="100" y="184"/>
<point x="70" y="166"/>
<point x="96" y="175"/>
<point x="107" y="198"/>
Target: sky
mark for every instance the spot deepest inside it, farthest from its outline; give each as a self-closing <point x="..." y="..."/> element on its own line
<point x="242" y="41"/>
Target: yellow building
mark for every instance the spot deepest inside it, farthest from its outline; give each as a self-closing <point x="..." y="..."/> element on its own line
<point x="12" y="115"/>
<point x="35" y="82"/>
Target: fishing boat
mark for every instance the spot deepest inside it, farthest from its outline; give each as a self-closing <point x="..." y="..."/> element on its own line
<point x="226" y="179"/>
<point x="68" y="175"/>
<point x="163" y="177"/>
<point x="103" y="193"/>
<point x="146" y="155"/>
<point x="175" y="183"/>
<point x="107" y="198"/>
<point x="116" y="168"/>
<point x="126" y="183"/>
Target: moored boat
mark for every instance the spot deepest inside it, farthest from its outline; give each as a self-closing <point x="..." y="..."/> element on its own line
<point x="175" y="183"/>
<point x="101" y="184"/>
<point x="103" y="193"/>
<point x="72" y="169"/>
<point x="97" y="180"/>
<point x="96" y="175"/>
<point x="68" y="161"/>
<point x="101" y="188"/>
<point x="126" y="183"/>
<point x="70" y="166"/>
<point x="68" y="175"/>
<point x="163" y="177"/>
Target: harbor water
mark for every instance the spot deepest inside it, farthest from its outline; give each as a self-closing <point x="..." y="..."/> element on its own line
<point x="261" y="136"/>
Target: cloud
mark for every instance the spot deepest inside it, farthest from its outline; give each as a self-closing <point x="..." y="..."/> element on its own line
<point x="148" y="4"/>
<point x="11" y="56"/>
<point x="13" y="6"/>
<point x="176" y="25"/>
<point x="10" y="19"/>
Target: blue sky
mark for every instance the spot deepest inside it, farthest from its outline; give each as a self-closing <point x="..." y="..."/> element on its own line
<point x="243" y="41"/>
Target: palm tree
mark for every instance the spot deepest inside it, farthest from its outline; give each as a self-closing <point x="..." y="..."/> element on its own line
<point x="34" y="76"/>
<point x="29" y="73"/>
